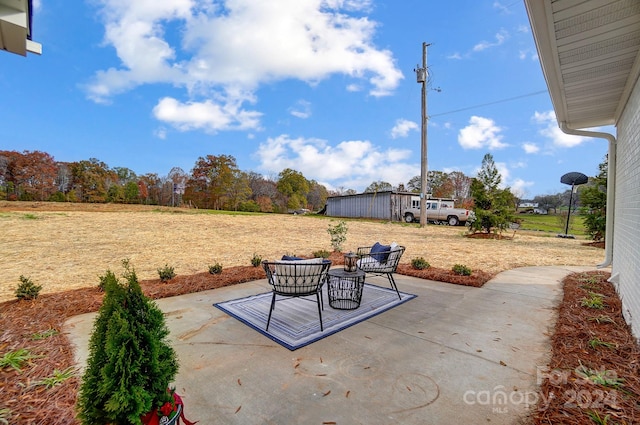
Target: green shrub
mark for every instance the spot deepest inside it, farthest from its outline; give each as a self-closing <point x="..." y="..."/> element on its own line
<point x="256" y="260"/>
<point x="166" y="273"/>
<point x="461" y="270"/>
<point x="27" y="290"/>
<point x="215" y="269"/>
<point x="323" y="253"/>
<point x="57" y="197"/>
<point x="420" y="263"/>
<point x="249" y="206"/>
<point x="338" y="235"/>
<point x="131" y="362"/>
<point x="109" y="275"/>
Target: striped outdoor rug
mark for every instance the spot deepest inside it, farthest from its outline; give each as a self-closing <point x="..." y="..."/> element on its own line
<point x="294" y="322"/>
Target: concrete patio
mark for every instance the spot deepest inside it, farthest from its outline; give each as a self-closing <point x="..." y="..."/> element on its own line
<point x="453" y="355"/>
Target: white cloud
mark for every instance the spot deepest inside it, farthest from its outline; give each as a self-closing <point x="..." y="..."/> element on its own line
<point x="161" y="133"/>
<point x="530" y="147"/>
<point x="215" y="50"/>
<point x="500" y="6"/>
<point x="520" y="186"/>
<point x="402" y="128"/>
<point x="501" y="37"/>
<point x="481" y="133"/>
<point x="353" y="164"/>
<point x="302" y="109"/>
<point x="552" y="131"/>
<point x="504" y="172"/>
<point x="207" y="116"/>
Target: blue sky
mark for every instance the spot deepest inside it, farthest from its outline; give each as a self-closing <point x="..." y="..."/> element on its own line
<point x="325" y="87"/>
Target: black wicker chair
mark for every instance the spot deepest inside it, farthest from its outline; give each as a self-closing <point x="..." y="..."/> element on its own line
<point x="297" y="278"/>
<point x="381" y="260"/>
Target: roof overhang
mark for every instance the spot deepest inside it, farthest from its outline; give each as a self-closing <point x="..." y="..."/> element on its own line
<point x="15" y="27"/>
<point x="589" y="56"/>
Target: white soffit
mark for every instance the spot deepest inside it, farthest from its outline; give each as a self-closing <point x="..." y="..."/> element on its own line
<point x="589" y="56"/>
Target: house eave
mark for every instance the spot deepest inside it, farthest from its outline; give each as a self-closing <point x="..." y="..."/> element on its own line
<point x="15" y="28"/>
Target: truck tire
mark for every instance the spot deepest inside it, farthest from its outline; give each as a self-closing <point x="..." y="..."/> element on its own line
<point x="453" y="220"/>
<point x="408" y="217"/>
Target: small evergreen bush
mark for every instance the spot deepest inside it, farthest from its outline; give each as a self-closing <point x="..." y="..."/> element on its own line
<point x="104" y="279"/>
<point x="323" y="253"/>
<point x="215" y="269"/>
<point x="256" y="260"/>
<point x="27" y="290"/>
<point x="131" y="362"/>
<point x="461" y="270"/>
<point x="420" y="263"/>
<point x="166" y="273"/>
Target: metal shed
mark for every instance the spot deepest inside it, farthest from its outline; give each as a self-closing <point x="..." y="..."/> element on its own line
<point x="378" y="205"/>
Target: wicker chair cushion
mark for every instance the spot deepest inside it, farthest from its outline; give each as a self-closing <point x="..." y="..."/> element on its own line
<point x="298" y="276"/>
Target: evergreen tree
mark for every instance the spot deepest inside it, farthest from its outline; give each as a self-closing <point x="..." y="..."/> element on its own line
<point x="492" y="206"/>
<point x="594" y="198"/>
<point x="130" y="361"/>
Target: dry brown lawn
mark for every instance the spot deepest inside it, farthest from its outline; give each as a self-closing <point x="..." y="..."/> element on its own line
<point x="66" y="246"/>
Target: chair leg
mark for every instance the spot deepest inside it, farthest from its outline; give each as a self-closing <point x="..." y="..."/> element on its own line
<point x="321" y="298"/>
<point x="273" y="305"/>
<point x="318" y="296"/>
<point x="393" y="284"/>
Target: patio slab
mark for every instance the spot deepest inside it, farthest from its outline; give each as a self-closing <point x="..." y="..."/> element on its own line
<point x="454" y="354"/>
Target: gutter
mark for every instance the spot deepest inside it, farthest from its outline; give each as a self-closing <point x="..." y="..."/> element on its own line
<point x="611" y="185"/>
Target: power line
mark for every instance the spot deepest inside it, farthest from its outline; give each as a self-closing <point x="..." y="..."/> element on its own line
<point x="489" y="103"/>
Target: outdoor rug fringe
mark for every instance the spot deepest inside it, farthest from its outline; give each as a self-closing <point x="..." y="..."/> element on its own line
<point x="294" y="322"/>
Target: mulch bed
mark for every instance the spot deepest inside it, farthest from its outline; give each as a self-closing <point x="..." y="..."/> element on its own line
<point x="27" y="402"/>
<point x="594" y="372"/>
<point x="477" y="278"/>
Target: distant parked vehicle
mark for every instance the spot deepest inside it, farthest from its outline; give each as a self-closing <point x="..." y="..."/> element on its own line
<point x="438" y="211"/>
<point x="301" y="211"/>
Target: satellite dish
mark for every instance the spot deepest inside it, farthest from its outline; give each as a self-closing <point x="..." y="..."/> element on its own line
<point x="574" y="178"/>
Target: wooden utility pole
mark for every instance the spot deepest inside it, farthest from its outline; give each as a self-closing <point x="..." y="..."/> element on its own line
<point x="422" y="77"/>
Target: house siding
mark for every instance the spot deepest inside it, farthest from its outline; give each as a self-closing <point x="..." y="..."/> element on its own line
<point x="626" y="240"/>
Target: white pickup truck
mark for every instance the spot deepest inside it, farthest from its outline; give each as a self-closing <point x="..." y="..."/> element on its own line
<point x="438" y="210"/>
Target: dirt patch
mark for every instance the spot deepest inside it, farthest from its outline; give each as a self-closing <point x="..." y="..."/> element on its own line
<point x="496" y="236"/>
<point x="599" y="244"/>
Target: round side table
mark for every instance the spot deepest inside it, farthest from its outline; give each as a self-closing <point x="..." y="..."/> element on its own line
<point x="345" y="289"/>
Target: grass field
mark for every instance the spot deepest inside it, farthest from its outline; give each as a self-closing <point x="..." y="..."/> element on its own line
<point x="552" y="223"/>
<point x="66" y="246"/>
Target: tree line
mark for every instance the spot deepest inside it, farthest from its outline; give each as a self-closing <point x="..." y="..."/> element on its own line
<point x="215" y="182"/>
